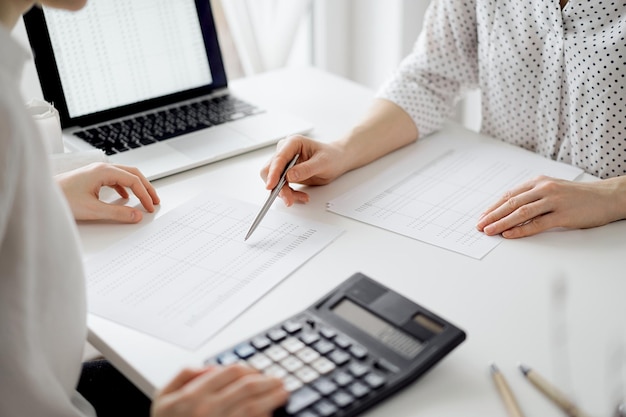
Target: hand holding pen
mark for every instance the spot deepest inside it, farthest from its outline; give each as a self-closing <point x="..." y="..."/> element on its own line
<point x="268" y="203"/>
<point x="319" y="164"/>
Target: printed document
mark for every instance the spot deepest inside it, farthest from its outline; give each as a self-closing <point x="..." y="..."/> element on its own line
<point x="437" y="195"/>
<point x="189" y="273"/>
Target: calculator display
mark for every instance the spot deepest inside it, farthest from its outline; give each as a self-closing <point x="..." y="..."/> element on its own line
<point x="384" y="332"/>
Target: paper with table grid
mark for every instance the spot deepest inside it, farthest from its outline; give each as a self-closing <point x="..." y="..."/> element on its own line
<point x="440" y="201"/>
<point x="189" y="273"/>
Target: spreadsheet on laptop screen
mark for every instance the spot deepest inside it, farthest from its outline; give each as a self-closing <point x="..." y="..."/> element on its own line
<point x="117" y="52"/>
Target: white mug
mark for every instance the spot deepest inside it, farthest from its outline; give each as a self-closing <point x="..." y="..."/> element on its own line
<point x="48" y="123"/>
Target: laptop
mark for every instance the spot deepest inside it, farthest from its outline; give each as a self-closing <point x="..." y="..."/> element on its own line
<point x="144" y="81"/>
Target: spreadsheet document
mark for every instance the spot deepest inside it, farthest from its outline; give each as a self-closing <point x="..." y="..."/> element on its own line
<point x="187" y="274"/>
<point x="118" y="52"/>
<point x="437" y="193"/>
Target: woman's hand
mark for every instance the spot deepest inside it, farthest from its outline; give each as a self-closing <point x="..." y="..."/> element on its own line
<point x="385" y="128"/>
<point x="82" y="188"/>
<point x="545" y="203"/>
<point x="231" y="391"/>
<point x="318" y="164"/>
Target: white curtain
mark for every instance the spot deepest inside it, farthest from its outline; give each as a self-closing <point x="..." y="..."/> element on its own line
<point x="264" y="30"/>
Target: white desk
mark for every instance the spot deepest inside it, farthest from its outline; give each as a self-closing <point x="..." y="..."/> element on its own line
<point x="503" y="302"/>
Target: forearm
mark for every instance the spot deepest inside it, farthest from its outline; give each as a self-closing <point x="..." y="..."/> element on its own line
<point x="615" y="192"/>
<point x="385" y="128"/>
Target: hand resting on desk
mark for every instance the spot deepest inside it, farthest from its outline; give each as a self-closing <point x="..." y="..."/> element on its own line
<point x="82" y="187"/>
<point x="544" y="203"/>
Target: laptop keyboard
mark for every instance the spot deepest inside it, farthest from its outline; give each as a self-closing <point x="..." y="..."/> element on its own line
<point x="150" y="128"/>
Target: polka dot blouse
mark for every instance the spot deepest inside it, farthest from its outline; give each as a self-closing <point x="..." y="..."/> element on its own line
<point x="552" y="80"/>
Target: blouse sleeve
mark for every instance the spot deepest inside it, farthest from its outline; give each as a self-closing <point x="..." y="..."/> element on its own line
<point x="443" y="64"/>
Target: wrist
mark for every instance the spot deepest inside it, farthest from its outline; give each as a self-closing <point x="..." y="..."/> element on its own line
<point x="360" y="146"/>
<point x="617" y="197"/>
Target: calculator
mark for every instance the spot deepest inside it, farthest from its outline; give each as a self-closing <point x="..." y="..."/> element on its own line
<point x="356" y="346"/>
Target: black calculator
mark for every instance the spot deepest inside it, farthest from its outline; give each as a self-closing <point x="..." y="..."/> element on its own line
<point x="354" y="347"/>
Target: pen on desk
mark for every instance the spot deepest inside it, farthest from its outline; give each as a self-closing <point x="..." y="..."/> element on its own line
<point x="505" y="392"/>
<point x="273" y="194"/>
<point x="552" y="393"/>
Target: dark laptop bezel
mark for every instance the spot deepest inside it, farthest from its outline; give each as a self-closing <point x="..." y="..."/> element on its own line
<point x="52" y="89"/>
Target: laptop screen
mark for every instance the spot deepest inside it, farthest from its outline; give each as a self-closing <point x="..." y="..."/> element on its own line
<point x="118" y="52"/>
<point x="116" y="57"/>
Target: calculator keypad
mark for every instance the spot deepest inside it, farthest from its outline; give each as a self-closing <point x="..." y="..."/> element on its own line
<point x="325" y="371"/>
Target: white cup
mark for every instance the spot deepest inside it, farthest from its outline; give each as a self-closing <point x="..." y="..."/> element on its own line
<point x="48" y="123"/>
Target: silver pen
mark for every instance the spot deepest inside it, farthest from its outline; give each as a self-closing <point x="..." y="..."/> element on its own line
<point x="272" y="197"/>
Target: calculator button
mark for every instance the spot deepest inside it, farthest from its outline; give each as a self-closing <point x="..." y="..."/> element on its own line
<point x="323" y="365"/>
<point x="261" y="342"/>
<point x="301" y="399"/>
<point x="245" y="350"/>
<point x="359" y="389"/>
<point x="324" y="347"/>
<point x="342" y="399"/>
<point x="325" y="408"/>
<point x="259" y="361"/>
<point x="292" y="327"/>
<point x="291" y="383"/>
<point x="307" y="355"/>
<point x="343" y="378"/>
<point x="309" y="337"/>
<point x="374" y="380"/>
<point x="307" y="413"/>
<point x="328" y="332"/>
<point x="306" y="374"/>
<point x="325" y="386"/>
<point x="291" y="363"/>
<point x="358" y="369"/>
<point x="276" y="353"/>
<point x="292" y="345"/>
<point x="227" y="358"/>
<point x="275" y="371"/>
<point x="339" y="357"/>
<point x="358" y="351"/>
<point x="277" y="335"/>
<point x="342" y="342"/>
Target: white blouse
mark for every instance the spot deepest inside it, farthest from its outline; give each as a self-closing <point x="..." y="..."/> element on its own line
<point x="42" y="288"/>
<point x="552" y="81"/>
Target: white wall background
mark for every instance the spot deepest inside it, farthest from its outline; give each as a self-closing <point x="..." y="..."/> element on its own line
<point x="364" y="40"/>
